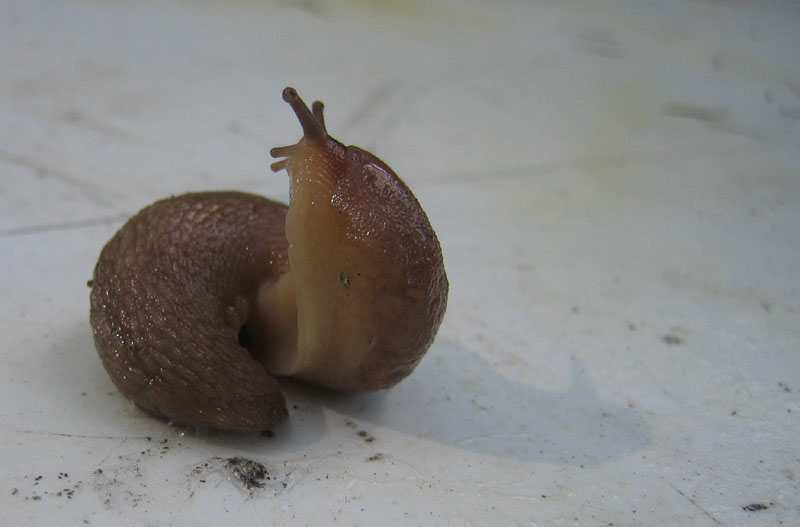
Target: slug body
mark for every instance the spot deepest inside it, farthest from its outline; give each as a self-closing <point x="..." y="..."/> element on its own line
<point x="200" y="300"/>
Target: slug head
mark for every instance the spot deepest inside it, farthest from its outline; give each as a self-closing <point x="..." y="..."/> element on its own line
<point x="364" y="264"/>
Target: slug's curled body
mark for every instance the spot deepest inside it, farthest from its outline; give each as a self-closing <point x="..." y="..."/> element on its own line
<point x="199" y="299"/>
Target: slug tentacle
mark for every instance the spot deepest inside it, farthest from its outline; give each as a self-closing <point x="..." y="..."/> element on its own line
<point x="200" y="299"/>
<point x="277" y="166"/>
<point x="317" y="109"/>
<point x="313" y="127"/>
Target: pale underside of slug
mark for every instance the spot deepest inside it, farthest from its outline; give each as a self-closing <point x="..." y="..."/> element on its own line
<point x="200" y="299"/>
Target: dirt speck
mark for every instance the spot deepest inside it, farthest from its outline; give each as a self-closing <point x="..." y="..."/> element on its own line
<point x="368" y="438"/>
<point x="248" y="474"/>
<point x="376" y="457"/>
<point x="251" y="474"/>
<point x="49" y="488"/>
<point x="672" y="340"/>
<point x="755" y="507"/>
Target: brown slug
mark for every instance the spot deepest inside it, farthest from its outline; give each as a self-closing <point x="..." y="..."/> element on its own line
<point x="199" y="300"/>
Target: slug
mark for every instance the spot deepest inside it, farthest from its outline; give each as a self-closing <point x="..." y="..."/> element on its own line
<point x="200" y="301"/>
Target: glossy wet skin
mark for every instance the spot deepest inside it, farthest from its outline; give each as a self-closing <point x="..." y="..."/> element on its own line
<point x="169" y="293"/>
<point x="346" y="290"/>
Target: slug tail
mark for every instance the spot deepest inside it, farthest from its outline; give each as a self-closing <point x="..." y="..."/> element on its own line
<point x="170" y="293"/>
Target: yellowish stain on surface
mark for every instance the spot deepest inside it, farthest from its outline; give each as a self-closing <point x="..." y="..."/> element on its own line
<point x="628" y="111"/>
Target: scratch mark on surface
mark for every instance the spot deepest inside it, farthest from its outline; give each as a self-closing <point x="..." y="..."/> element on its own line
<point x="742" y="129"/>
<point x="76" y="436"/>
<point x="493" y="174"/>
<point x="694" y="111"/>
<point x="406" y="102"/>
<point x="77" y="118"/>
<point x="600" y="42"/>
<point x="691" y="500"/>
<point x="64" y="225"/>
<point x="792" y="112"/>
<point x="475" y="439"/>
<point x="90" y="190"/>
<point x="376" y="98"/>
<point x="793" y="86"/>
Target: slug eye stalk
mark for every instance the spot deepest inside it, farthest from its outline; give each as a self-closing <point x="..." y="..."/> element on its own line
<point x="312" y="123"/>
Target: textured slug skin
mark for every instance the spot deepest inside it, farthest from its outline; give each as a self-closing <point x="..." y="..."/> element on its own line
<point x="346" y="289"/>
<point x="170" y="292"/>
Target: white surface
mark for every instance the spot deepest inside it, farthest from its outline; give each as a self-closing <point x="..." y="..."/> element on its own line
<point x="617" y="193"/>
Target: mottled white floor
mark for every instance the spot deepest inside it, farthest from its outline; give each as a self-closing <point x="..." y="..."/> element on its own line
<point x="616" y="188"/>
